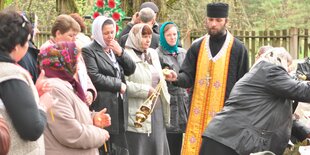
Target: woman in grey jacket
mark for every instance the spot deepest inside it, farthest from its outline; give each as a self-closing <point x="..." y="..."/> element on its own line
<point x="171" y="56"/>
<point x="258" y="114"/>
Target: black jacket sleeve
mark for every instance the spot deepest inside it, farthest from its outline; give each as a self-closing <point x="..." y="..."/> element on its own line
<point x="128" y="65"/>
<point x="279" y="82"/>
<point x="126" y="30"/>
<point x="243" y="64"/>
<point x="20" y="104"/>
<point x="187" y="73"/>
<point x="101" y="81"/>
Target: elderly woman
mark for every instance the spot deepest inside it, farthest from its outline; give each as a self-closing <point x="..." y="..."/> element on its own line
<point x="151" y="138"/>
<point x="65" y="28"/>
<point x="19" y="97"/>
<point x="107" y="64"/>
<point x="70" y="129"/>
<point x="258" y="114"/>
<point x="171" y="56"/>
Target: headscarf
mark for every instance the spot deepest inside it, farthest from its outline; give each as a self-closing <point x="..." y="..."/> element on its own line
<point x="97" y="29"/>
<point x="59" y="60"/>
<point x="163" y="41"/>
<point x="134" y="40"/>
<point x="277" y="55"/>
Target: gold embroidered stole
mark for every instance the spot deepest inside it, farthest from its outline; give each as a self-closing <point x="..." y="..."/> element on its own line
<point x="208" y="96"/>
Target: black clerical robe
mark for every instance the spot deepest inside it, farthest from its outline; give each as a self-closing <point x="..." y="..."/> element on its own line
<point x="238" y="66"/>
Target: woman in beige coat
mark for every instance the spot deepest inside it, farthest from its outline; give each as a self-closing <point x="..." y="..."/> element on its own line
<point x="151" y="138"/>
<point x="70" y="129"/>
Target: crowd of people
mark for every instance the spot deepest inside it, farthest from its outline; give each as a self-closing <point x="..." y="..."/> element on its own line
<point x="142" y="94"/>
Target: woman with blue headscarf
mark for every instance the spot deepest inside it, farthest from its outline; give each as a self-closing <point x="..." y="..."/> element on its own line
<point x="171" y="57"/>
<point x="107" y="64"/>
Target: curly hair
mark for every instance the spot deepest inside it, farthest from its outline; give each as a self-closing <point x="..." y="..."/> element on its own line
<point x="14" y="30"/>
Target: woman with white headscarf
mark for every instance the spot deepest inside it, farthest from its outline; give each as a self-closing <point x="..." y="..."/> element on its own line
<point x="107" y="64"/>
<point x="258" y="113"/>
<point x="151" y="137"/>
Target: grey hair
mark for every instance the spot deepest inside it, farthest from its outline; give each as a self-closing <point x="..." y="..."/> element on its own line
<point x="277" y="55"/>
<point x="146" y="15"/>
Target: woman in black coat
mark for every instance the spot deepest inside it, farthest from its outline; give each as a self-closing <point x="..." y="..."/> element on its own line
<point x="107" y="63"/>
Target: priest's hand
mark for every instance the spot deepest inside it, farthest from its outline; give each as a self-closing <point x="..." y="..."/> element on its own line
<point x="170" y="75"/>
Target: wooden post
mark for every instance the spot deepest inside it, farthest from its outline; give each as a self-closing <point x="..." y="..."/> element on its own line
<point x="294" y="42"/>
<point x="1" y="4"/>
<point x="187" y="40"/>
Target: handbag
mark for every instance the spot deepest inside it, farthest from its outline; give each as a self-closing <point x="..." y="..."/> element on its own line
<point x="303" y="70"/>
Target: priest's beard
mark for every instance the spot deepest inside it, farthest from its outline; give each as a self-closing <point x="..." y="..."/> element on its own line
<point x="217" y="33"/>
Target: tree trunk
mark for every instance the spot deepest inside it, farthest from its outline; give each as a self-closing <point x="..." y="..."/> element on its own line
<point x="66" y="6"/>
<point x="1" y="4"/>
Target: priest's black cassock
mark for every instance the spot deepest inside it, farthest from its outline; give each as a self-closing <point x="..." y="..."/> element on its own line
<point x="238" y="64"/>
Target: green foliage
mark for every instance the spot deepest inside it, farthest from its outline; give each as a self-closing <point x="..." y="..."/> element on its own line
<point x="110" y="8"/>
<point x="44" y="9"/>
<point x="83" y="7"/>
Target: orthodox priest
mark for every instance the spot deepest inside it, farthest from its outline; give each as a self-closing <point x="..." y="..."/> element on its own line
<point x="213" y="64"/>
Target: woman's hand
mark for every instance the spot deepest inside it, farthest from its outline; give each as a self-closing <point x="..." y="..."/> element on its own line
<point x="101" y="119"/>
<point x="170" y="75"/>
<point x="89" y="98"/>
<point x="47" y="101"/>
<point x="42" y="84"/>
<point x="123" y="88"/>
<point x="115" y="47"/>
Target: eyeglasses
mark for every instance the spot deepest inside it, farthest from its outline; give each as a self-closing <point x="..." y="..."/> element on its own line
<point x="25" y="20"/>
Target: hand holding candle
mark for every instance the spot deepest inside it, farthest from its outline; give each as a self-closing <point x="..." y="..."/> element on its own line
<point x="102" y="119"/>
<point x="169" y="74"/>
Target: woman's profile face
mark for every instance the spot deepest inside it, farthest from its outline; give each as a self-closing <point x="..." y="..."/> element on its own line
<point x="146" y="41"/>
<point x="21" y="50"/>
<point x="108" y="33"/>
<point x="171" y="36"/>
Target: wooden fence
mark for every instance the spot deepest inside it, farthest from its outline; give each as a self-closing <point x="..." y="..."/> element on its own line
<point x="296" y="41"/>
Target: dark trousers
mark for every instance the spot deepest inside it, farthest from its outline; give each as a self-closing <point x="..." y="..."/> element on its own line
<point x="175" y="143"/>
<point x="213" y="147"/>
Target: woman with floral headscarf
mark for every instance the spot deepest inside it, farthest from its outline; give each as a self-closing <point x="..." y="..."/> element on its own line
<point x="171" y="56"/>
<point x="70" y="127"/>
<point x="258" y="113"/>
<point x="151" y="137"/>
<point x="107" y="64"/>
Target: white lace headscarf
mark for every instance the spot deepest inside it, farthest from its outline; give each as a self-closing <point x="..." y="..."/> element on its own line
<point x="134" y="40"/>
<point x="97" y="30"/>
<point x="278" y="56"/>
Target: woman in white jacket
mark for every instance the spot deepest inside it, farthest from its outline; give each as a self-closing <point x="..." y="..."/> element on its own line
<point x="151" y="137"/>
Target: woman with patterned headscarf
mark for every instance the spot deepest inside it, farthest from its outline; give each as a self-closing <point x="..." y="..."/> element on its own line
<point x="107" y="64"/>
<point x="70" y="127"/>
<point x="150" y="138"/>
<point x="171" y="56"/>
<point x="258" y="113"/>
